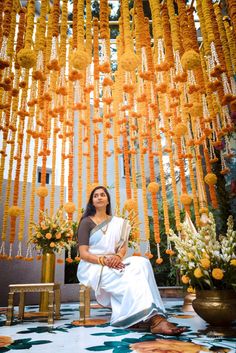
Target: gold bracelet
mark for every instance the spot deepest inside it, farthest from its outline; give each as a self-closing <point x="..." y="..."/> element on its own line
<point x="102" y="260"/>
<point x="121" y="257"/>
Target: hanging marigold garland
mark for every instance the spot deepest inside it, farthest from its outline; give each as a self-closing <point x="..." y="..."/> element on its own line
<point x="189" y="107"/>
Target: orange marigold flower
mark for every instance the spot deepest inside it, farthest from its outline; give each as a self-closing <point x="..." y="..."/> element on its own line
<point x="159" y="261"/>
<point x="52" y="244"/>
<point x="148" y="255"/>
<point x="58" y="236"/>
<point x="217" y="273"/>
<point x="233" y="262"/>
<point x="185" y="279"/>
<point x="205" y="263"/>
<point x="48" y="236"/>
<point x="197" y="273"/>
<point x="69" y="260"/>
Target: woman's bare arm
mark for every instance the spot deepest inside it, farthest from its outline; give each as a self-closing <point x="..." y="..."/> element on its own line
<point x="94" y="259"/>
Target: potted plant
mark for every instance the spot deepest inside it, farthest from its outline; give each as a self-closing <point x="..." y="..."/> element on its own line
<point x="207" y="264"/>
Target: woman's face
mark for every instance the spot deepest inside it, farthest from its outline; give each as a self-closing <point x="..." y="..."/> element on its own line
<point x="100" y="199"/>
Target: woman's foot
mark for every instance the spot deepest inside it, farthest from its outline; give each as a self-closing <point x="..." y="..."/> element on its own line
<point x="142" y="326"/>
<point x="159" y="325"/>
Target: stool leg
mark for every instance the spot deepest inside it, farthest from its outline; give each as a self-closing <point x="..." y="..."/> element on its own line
<point x="10" y="309"/>
<point x="50" y="307"/>
<point x="82" y="304"/>
<point x="87" y="302"/>
<point x="58" y="303"/>
<point x="21" y="306"/>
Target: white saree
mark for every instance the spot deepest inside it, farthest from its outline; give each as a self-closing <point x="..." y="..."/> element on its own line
<point x="131" y="293"/>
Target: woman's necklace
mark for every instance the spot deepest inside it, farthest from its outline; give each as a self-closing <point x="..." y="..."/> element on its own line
<point x="106" y="227"/>
<point x="105" y="230"/>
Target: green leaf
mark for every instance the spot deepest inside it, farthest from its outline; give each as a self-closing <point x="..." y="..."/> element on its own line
<point x="118" y="330"/>
<point x="130" y="340"/>
<point x="108" y="334"/>
<point x="4" y="349"/>
<point x="23" y="340"/>
<point x="23" y="345"/>
<point x="40" y="342"/>
<point x="98" y="348"/>
<point x="207" y="282"/>
<point x="115" y="343"/>
<point x="121" y="350"/>
<point x="148" y="337"/>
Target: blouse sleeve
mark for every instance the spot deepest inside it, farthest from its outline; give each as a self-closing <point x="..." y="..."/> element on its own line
<point x="83" y="232"/>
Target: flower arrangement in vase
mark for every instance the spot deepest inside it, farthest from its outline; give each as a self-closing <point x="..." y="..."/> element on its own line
<point x="207" y="264"/>
<point x="53" y="233"/>
<point x="205" y="260"/>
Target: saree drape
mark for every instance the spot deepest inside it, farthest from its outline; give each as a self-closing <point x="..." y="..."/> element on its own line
<point x="131" y="293"/>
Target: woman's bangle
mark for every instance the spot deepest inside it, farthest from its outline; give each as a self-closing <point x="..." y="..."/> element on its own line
<point x="121" y="257"/>
<point x="101" y="260"/>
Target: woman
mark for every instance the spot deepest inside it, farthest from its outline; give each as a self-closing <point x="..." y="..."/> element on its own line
<point x="127" y="285"/>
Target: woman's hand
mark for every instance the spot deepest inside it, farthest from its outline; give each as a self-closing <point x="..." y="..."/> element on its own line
<point x="114" y="261"/>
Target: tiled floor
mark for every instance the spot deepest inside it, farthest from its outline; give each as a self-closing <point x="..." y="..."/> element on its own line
<point x="34" y="335"/>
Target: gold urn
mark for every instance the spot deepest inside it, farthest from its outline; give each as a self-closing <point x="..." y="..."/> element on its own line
<point x="217" y="307"/>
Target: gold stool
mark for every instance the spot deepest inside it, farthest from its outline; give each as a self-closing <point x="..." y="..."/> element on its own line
<point x="52" y="289"/>
<point x="84" y="303"/>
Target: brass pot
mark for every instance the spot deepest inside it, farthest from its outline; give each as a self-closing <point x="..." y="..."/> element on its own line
<point x="217" y="307"/>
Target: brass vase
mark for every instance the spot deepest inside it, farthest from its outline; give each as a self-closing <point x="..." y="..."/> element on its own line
<point x="216" y="307"/>
<point x="47" y="276"/>
<point x="188" y="301"/>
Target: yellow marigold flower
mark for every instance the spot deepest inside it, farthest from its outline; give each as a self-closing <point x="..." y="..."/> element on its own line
<point x="197" y="273"/>
<point x="69" y="207"/>
<point x="130" y="204"/>
<point x="48" y="235"/>
<point x="210" y="179"/>
<point x="185" y="279"/>
<point x="233" y="262"/>
<point x="186" y="199"/>
<point x="153" y="187"/>
<point x="42" y="191"/>
<point x="52" y="244"/>
<point x="190" y="289"/>
<point x="39" y="235"/>
<point x="14" y="211"/>
<point x="205" y="263"/>
<point x="129" y="61"/>
<point x="190" y="256"/>
<point x="190" y="60"/>
<point x="217" y="273"/>
<point x="180" y="129"/>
